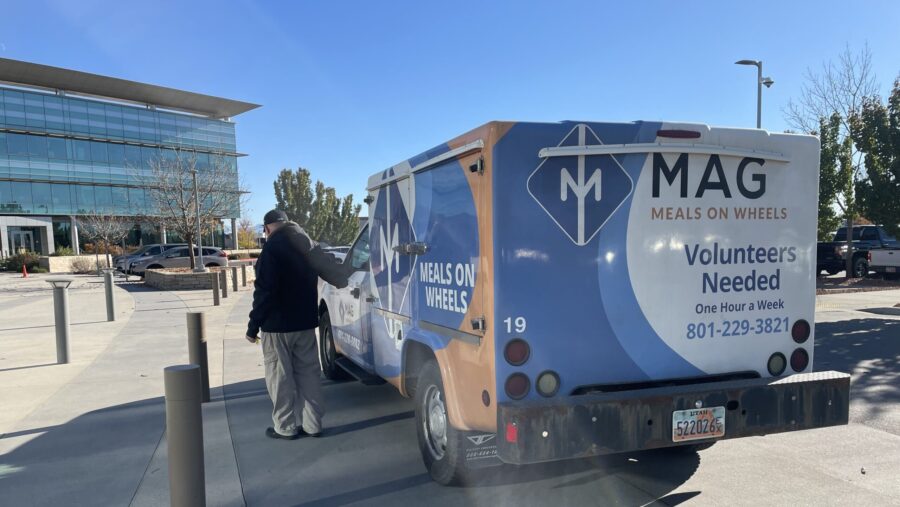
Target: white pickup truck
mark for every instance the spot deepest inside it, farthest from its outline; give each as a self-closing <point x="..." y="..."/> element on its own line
<point x="885" y="261"/>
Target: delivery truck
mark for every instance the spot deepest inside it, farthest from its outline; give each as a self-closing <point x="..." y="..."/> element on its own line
<point x="548" y="291"/>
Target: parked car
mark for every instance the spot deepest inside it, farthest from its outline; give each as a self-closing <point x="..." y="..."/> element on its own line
<point x="179" y="258"/>
<point x="123" y="262"/>
<point x="831" y="255"/>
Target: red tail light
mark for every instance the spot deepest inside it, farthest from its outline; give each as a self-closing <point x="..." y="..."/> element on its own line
<point x="678" y="134"/>
<point x="799" y="360"/>
<point x="222" y="253"/>
<point x="512" y="433"/>
<point x="517" y="386"/>
<point x="800" y="331"/>
<point x="516" y="352"/>
<point x="869" y="256"/>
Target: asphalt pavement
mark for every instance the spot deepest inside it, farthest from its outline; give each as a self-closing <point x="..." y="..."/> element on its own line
<point x="93" y="432"/>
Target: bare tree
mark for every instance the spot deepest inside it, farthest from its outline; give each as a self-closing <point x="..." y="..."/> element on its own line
<point x="105" y="229"/>
<point x="838" y="87"/>
<point x="170" y="185"/>
<point x="833" y="95"/>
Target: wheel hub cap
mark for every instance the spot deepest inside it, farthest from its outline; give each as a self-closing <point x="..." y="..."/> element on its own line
<point x="435" y="422"/>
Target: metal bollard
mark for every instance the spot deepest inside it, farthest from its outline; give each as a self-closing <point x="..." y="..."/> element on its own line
<point x="224" y="283"/>
<point x="244" y="274"/>
<point x="184" y="432"/>
<point x="61" y="316"/>
<point x="234" y="285"/>
<point x="215" y="287"/>
<point x="110" y="298"/>
<point x="196" y="328"/>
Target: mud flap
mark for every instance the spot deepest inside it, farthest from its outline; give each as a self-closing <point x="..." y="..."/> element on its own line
<point x="481" y="450"/>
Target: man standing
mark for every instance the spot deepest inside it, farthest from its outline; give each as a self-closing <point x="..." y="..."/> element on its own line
<point x="285" y="308"/>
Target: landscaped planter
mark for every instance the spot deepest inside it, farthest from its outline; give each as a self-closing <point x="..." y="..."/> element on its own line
<point x="186" y="279"/>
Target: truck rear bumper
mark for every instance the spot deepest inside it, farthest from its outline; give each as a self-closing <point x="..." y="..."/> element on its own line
<point x="607" y="423"/>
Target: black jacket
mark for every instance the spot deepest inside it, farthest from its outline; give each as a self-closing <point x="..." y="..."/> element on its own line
<point x="285" y="296"/>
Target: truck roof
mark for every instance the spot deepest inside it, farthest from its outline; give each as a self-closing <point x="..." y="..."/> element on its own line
<point x="476" y="138"/>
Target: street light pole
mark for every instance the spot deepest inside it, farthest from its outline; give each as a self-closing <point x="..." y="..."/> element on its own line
<point x="760" y="81"/>
<point x="199" y="268"/>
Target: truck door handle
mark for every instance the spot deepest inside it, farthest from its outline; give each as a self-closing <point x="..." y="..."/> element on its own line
<point x="371" y="299"/>
<point x="355" y="292"/>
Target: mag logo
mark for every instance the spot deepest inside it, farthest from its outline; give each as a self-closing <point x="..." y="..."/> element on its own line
<point x="580" y="192"/>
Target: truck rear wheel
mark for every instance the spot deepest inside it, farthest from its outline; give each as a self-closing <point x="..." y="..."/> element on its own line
<point x="327" y="352"/>
<point x="440" y="443"/>
<point x="860" y="268"/>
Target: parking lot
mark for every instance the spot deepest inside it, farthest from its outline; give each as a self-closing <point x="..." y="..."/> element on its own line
<point x="105" y="413"/>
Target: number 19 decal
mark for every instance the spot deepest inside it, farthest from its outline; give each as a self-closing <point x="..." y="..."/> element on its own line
<point x="518" y="324"/>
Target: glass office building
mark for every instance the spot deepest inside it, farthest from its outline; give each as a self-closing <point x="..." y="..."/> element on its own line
<point x="73" y="143"/>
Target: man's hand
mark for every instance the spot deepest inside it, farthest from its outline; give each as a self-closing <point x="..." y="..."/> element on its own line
<point x="251" y="339"/>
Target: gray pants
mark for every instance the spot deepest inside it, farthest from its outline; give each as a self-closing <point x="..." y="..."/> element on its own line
<point x="292" y="379"/>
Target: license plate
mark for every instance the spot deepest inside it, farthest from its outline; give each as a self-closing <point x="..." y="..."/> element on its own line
<point x="890" y="269"/>
<point x="698" y="423"/>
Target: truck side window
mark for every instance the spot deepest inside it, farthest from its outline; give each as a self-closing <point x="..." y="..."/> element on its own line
<point x="359" y="254"/>
<point x="869" y="234"/>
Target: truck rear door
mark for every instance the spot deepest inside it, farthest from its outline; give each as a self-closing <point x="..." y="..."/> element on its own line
<point x="632" y="253"/>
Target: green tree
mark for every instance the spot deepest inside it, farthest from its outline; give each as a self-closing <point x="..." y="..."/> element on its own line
<point x="829" y="98"/>
<point x="877" y="134"/>
<point x="325" y="216"/>
<point x="829" y="175"/>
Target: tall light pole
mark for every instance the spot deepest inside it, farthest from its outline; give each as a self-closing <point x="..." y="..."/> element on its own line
<point x="199" y="268"/>
<point x="760" y="80"/>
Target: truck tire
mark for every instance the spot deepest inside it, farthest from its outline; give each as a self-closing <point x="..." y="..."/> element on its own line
<point x="860" y="267"/>
<point x="441" y="444"/>
<point x="327" y="353"/>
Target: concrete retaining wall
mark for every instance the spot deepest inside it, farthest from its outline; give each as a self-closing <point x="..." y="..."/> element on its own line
<point x="64" y="264"/>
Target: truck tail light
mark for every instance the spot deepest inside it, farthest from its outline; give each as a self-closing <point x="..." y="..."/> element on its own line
<point x="517" y="352"/>
<point x="800" y="331"/>
<point x="869" y="257"/>
<point x="799" y="360"/>
<point x="547" y="383"/>
<point x="777" y="363"/>
<point x="517" y="386"/>
<point x="512" y="433"/>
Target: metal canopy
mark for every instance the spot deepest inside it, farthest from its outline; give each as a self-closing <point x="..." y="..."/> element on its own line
<point x="33" y="74"/>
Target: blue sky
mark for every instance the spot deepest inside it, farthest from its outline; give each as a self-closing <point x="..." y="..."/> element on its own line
<point x="349" y="88"/>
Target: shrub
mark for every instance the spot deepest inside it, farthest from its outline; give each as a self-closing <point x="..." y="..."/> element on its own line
<point x="238" y="256"/>
<point x="83" y="265"/>
<point x="254" y="255"/>
<point x="97" y="248"/>
<point x="40" y="270"/>
<point x="30" y="260"/>
<point x="63" y="251"/>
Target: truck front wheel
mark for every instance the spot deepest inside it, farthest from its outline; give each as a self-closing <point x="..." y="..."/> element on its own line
<point x="327" y="353"/>
<point x="440" y="443"/>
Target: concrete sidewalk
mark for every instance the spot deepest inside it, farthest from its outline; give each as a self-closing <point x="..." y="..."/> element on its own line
<point x="92" y="432"/>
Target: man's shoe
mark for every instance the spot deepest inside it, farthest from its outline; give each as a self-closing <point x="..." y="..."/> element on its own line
<point x="271" y="433"/>
<point x="302" y="433"/>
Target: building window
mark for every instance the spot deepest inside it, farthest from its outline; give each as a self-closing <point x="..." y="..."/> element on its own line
<point x="62" y="234"/>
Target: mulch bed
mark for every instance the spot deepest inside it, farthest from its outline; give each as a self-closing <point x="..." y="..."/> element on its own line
<point x="844" y="285"/>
